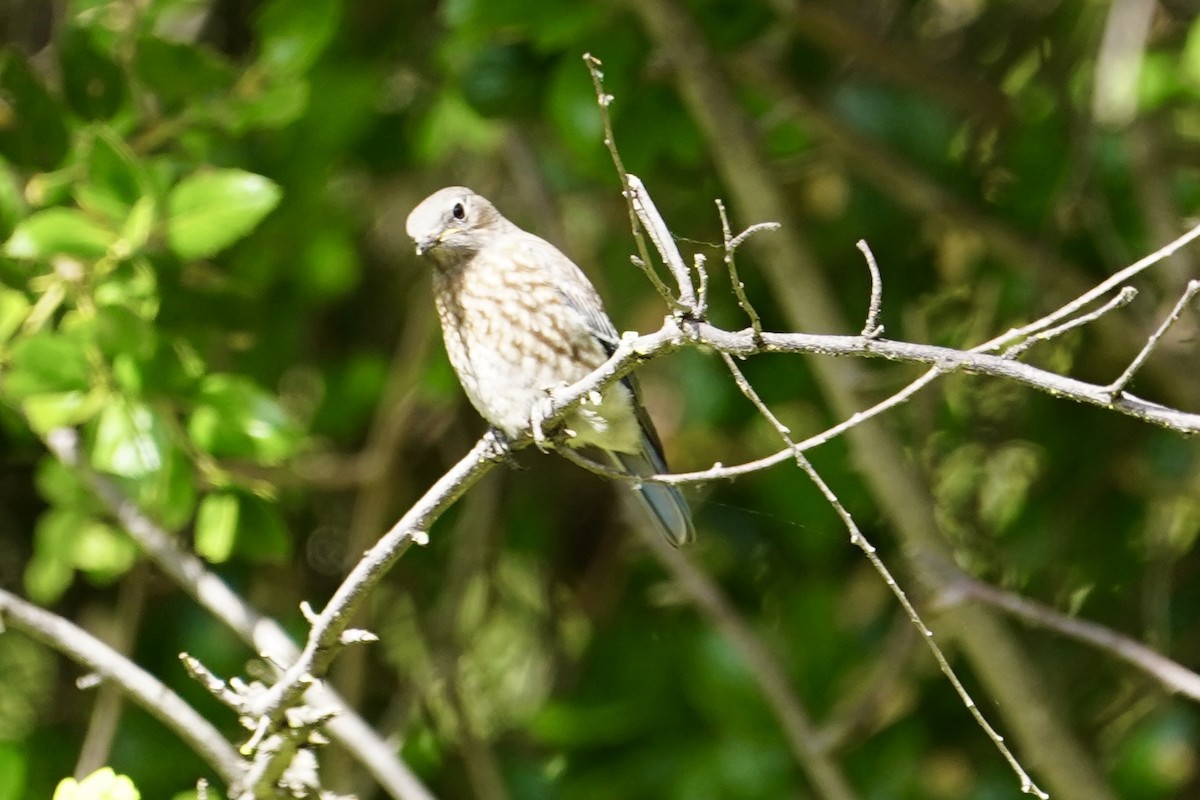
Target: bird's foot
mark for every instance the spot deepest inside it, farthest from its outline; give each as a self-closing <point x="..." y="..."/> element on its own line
<point x="537" y="419"/>
<point x="504" y="450"/>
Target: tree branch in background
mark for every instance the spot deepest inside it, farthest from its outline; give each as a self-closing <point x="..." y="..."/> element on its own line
<point x="1172" y="675"/>
<point x="263" y="634"/>
<point x="137" y="684"/>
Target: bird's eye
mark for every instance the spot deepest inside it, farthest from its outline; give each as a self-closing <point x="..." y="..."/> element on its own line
<point x="458" y="211"/>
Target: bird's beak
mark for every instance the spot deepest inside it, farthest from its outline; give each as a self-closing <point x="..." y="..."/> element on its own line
<point x="427" y="244"/>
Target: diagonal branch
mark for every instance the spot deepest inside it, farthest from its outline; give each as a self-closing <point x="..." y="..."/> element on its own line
<point x="140" y="686"/>
<point x="262" y="633"/>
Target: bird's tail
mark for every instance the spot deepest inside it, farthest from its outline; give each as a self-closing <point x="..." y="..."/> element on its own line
<point x="665" y="502"/>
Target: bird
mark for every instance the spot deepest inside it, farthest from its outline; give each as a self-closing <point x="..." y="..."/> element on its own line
<point x="521" y="319"/>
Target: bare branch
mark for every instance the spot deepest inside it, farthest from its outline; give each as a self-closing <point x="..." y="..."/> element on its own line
<point x="859" y="540"/>
<point x="1099" y="290"/>
<point x="642" y="260"/>
<point x="1118" y="386"/>
<point x="261" y="633"/>
<point x="739" y="288"/>
<point x="140" y="686"/>
<point x="872" y="329"/>
<point x="700" y="264"/>
<point x="660" y="235"/>
<point x="324" y="638"/>
<point x="1122" y="299"/>
<point x="1172" y="675"/>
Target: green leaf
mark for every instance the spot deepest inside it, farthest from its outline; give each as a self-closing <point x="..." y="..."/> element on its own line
<point x="40" y="140"/>
<point x="169" y="495"/>
<point x="1189" y="57"/>
<point x="12" y="770"/>
<point x="92" y="81"/>
<point x="235" y="418"/>
<point x="114" y="180"/>
<point x="211" y="210"/>
<point x="52" y="567"/>
<point x="276" y="103"/>
<point x="181" y="74"/>
<point x="14" y="307"/>
<point x="294" y="33"/>
<point x="138" y="225"/>
<point x="66" y="540"/>
<point x="130" y="440"/>
<point x="47" y="362"/>
<point x="262" y="535"/>
<point x="235" y="522"/>
<point x="60" y="486"/>
<point x="59" y="231"/>
<point x="103" y="553"/>
<point x="216" y="526"/>
<point x="46" y="412"/>
<point x="119" y="331"/>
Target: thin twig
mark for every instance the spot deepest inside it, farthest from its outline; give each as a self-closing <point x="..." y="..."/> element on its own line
<point x="1118" y="386"/>
<point x="858" y="539"/>
<point x="856" y="536"/>
<point x="1099" y="290"/>
<point x="739" y="288"/>
<point x="700" y="264"/>
<point x="872" y="329"/>
<point x="642" y="260"/>
<point x="1122" y="299"/>
<point x="124" y="625"/>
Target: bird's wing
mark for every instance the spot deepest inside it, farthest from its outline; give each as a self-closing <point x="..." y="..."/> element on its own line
<point x="580" y="295"/>
<point x="573" y="285"/>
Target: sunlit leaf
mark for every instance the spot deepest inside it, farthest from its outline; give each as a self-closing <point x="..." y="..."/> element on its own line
<point x="236" y="418"/>
<point x="216" y="526"/>
<point x="103" y="553"/>
<point x="113" y="180"/>
<point x="47" y="362"/>
<point x="103" y="784"/>
<point x="46" y="412"/>
<point x="130" y="440"/>
<point x="59" y="231"/>
<point x="14" y="307"/>
<point x="211" y="210"/>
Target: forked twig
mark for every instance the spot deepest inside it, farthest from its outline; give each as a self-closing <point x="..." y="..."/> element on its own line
<point x="1118" y="386"/>
<point x="642" y="260"/>
<point x="731" y="243"/>
<point x="1122" y="299"/>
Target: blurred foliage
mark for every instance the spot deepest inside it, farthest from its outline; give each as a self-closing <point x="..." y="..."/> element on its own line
<point x="204" y="270"/>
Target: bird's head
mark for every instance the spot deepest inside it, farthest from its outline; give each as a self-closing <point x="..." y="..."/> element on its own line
<point x="451" y="224"/>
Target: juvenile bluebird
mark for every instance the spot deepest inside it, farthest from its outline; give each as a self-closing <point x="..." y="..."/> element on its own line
<point x="520" y="319"/>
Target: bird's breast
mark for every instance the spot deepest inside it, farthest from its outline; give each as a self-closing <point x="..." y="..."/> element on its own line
<point x="511" y="337"/>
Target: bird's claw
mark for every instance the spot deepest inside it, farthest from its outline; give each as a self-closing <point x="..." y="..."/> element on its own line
<point x="537" y="419"/>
